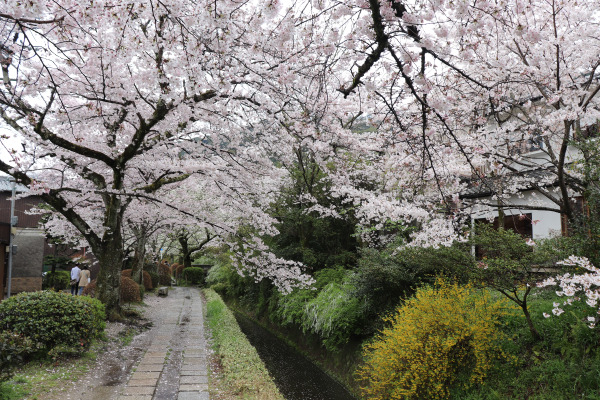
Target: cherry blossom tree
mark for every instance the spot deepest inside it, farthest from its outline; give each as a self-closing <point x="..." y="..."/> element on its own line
<point x="487" y="93"/>
<point x="115" y="102"/>
<point x="577" y="286"/>
<point x="399" y="102"/>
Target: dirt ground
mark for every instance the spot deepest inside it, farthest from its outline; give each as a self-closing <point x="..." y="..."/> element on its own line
<point x="114" y="360"/>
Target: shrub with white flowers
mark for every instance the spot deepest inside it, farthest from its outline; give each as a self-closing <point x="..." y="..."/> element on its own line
<point x="577" y="286"/>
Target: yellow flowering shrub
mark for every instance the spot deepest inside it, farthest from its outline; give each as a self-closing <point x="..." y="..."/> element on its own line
<point x="444" y="336"/>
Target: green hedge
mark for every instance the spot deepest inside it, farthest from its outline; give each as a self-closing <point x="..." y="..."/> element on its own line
<point x="59" y="280"/>
<point x="155" y="279"/>
<point x="13" y="348"/>
<point x="194" y="275"/>
<point x="53" y="318"/>
<point x="245" y="374"/>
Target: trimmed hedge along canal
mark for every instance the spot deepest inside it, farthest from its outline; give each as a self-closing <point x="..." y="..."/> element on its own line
<point x="296" y="377"/>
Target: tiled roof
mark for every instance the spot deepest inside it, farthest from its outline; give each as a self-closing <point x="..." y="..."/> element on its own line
<point x="485" y="187"/>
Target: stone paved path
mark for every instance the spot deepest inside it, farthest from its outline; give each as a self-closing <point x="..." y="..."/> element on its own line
<point x="174" y="366"/>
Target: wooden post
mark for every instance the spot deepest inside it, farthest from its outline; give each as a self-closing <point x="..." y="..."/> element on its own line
<point x="2" y="269"/>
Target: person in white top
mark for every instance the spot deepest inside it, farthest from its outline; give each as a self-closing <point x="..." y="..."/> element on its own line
<point x="75" y="271"/>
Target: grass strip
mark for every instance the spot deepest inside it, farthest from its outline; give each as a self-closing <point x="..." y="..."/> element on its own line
<point x="244" y="372"/>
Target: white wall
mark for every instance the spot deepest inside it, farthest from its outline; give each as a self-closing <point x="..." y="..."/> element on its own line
<point x="545" y="224"/>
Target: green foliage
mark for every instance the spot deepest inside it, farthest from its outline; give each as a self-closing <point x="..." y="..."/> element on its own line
<point x="13" y="348"/>
<point x="154" y="278"/>
<point x="10" y="392"/>
<point x="219" y="273"/>
<point x="290" y="307"/>
<point x="244" y="372"/>
<point x="329" y="275"/>
<point x="194" y="275"/>
<point x="444" y="337"/>
<point x="304" y="235"/>
<point x="385" y="277"/>
<point x="59" y="280"/>
<point x="223" y="278"/>
<point x="52" y="318"/>
<point x="563" y="366"/>
<point x="334" y="314"/>
<point x="509" y="265"/>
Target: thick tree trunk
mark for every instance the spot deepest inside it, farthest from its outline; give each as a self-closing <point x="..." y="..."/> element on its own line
<point x="140" y="253"/>
<point x="186" y="258"/>
<point x="110" y="256"/>
<point x="108" y="289"/>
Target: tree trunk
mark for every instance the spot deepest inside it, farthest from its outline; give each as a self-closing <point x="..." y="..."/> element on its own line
<point x="534" y="332"/>
<point x="185" y="258"/>
<point x="140" y="253"/>
<point x="110" y="256"/>
<point x="108" y="289"/>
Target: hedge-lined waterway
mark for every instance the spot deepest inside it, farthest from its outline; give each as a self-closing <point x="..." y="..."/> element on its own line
<point x="296" y="377"/>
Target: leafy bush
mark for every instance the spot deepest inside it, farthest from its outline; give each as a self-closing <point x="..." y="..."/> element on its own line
<point x="509" y="265"/>
<point x="13" y="348"/>
<point x="59" y="280"/>
<point x="154" y="278"/>
<point x="291" y="307"/>
<point x="219" y="273"/>
<point x="53" y="318"/>
<point x="194" y="275"/>
<point x="224" y="279"/>
<point x="147" y="280"/>
<point x="221" y="288"/>
<point x="446" y="336"/>
<point x="130" y="291"/>
<point x="164" y="274"/>
<point x="384" y="278"/>
<point x="334" y="314"/>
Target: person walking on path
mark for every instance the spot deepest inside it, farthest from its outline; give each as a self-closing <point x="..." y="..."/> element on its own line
<point x="75" y="271"/>
<point x="84" y="278"/>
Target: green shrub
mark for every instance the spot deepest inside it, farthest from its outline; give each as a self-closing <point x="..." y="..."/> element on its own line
<point x="329" y="275"/>
<point x="53" y="318"/>
<point x="154" y="278"/>
<point x="13" y="348"/>
<point x="291" y="307"/>
<point x="59" y="280"/>
<point x="335" y="315"/>
<point x="194" y="275"/>
<point x="384" y="278"/>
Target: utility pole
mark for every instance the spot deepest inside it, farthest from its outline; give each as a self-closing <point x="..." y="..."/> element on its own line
<point x="10" y="243"/>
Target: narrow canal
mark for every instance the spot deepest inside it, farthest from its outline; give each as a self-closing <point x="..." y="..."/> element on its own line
<point x="295" y="376"/>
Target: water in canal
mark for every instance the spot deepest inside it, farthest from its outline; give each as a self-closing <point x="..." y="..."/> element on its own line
<point x="295" y="376"/>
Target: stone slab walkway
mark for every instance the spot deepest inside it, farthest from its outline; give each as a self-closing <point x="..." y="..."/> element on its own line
<point x="174" y="366"/>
